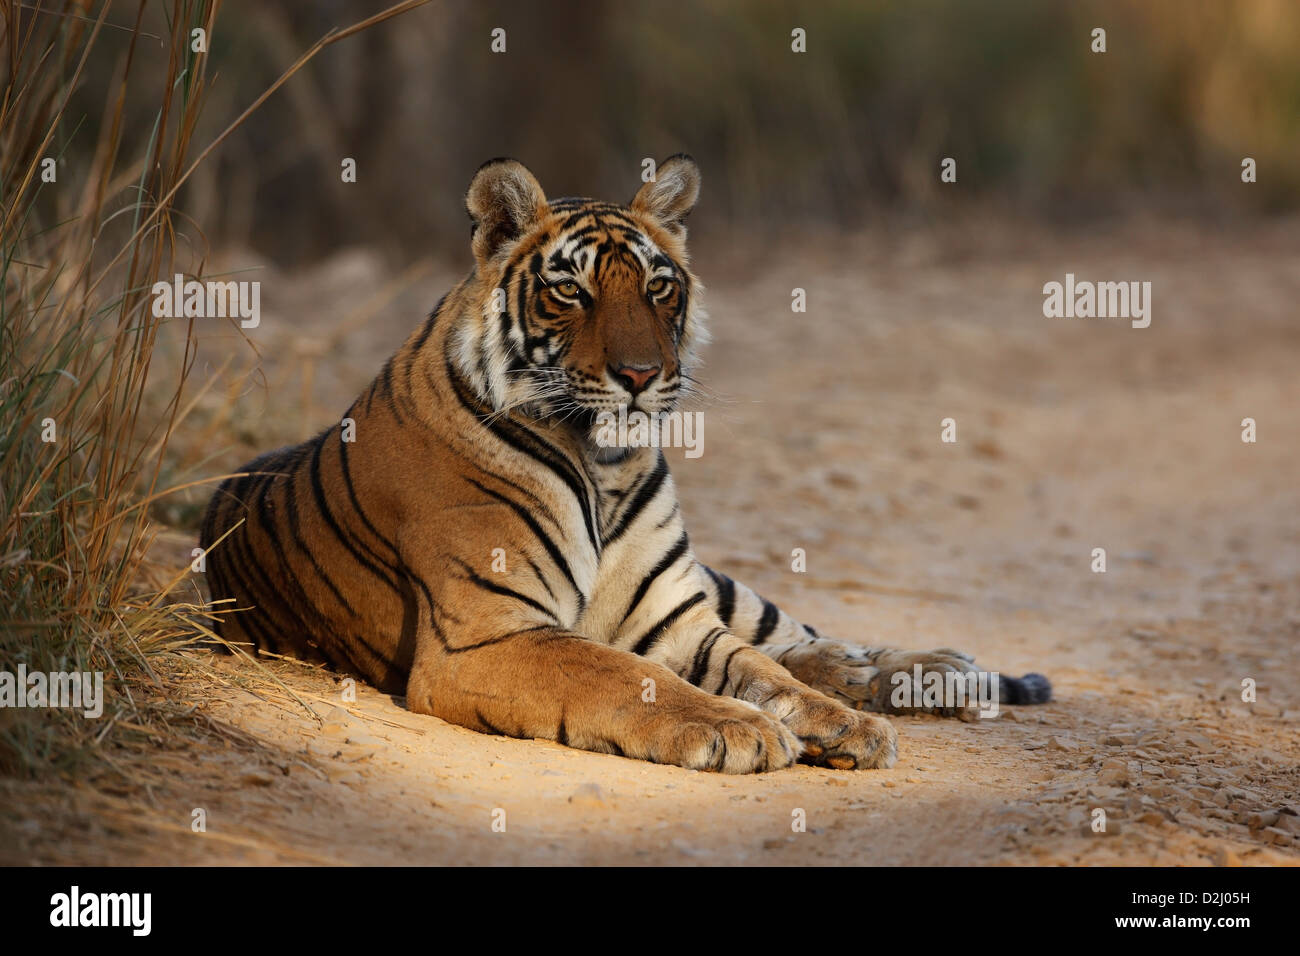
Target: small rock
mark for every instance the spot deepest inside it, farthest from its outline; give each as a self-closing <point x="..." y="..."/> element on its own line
<point x="1261" y="819"/>
<point x="336" y="722"/>
<point x="1225" y="857"/>
<point x="1062" y="743"/>
<point x="1288" y="823"/>
<point x="588" y="795"/>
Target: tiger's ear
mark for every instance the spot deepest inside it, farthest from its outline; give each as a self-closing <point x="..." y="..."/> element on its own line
<point x="503" y="201"/>
<point x="671" y="196"/>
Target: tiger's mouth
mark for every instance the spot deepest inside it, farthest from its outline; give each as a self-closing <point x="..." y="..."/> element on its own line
<point x="559" y="396"/>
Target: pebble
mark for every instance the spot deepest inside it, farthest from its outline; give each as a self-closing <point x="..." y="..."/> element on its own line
<point x="1288" y="823"/>
<point x="337" y="720"/>
<point x="1225" y="857"/>
<point x="1261" y="819"/>
<point x="588" y="795"/>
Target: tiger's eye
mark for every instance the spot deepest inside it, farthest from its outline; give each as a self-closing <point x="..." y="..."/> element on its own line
<point x="570" y="289"/>
<point x="655" y="286"/>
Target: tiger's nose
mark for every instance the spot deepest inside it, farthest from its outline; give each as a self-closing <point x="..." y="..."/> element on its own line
<point x="634" y="377"/>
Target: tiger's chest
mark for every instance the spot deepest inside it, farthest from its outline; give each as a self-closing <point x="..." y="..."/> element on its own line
<point x="640" y="528"/>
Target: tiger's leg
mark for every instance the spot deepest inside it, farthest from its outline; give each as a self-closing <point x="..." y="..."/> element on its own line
<point x="691" y="641"/>
<point x="858" y="676"/>
<point x="507" y="667"/>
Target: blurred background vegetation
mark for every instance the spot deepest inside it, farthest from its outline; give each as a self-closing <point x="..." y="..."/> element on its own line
<point x="852" y="129"/>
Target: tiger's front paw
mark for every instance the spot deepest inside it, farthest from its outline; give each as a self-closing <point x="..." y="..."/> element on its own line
<point x="884" y="679"/>
<point x="832" y="735"/>
<point x="722" y="734"/>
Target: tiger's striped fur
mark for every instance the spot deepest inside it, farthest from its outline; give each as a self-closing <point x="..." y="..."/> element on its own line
<point x="603" y="631"/>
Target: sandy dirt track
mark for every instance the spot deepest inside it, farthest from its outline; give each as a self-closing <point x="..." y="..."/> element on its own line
<point x="825" y="435"/>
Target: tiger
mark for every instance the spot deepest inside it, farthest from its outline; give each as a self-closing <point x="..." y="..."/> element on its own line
<point x="471" y="546"/>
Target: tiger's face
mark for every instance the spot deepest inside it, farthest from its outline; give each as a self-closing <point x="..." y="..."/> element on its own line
<point x="584" y="306"/>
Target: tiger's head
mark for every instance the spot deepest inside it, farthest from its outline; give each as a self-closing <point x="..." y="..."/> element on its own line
<point x="578" y="306"/>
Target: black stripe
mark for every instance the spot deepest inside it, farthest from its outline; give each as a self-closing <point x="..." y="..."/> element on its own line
<point x="300" y="616"/>
<point x="429" y="323"/>
<point x="767" y="623"/>
<point x="491" y="727"/>
<point x="702" y="655"/>
<point x="259" y="618"/>
<point x="318" y="490"/>
<point x="726" y="666"/>
<point x="671" y="515"/>
<point x="295" y="527"/>
<point x="653" y="635"/>
<point x="271" y="613"/>
<point x="666" y="562"/>
<point x="505" y="591"/>
<point x="538" y="503"/>
<point x="386" y="378"/>
<point x="614" y="748"/>
<point x="556" y="556"/>
<point x="535" y="447"/>
<point x="649" y="488"/>
<point x="540" y="577"/>
<point x="302" y="608"/>
<point x="450" y="648"/>
<point x="356" y="502"/>
<point x="726" y="595"/>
